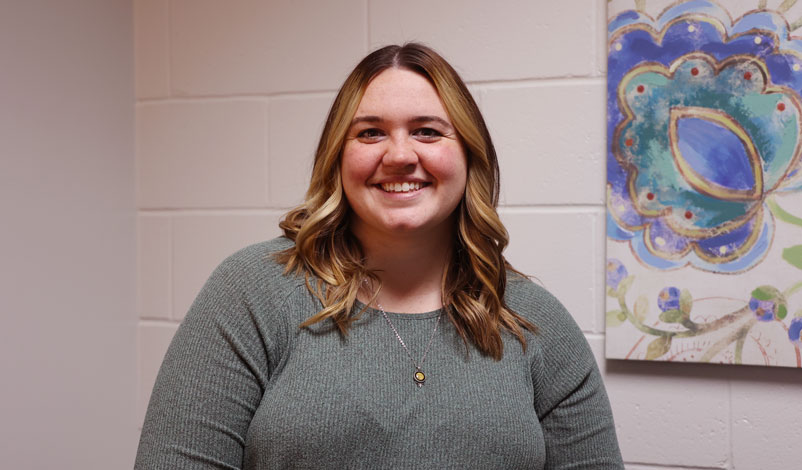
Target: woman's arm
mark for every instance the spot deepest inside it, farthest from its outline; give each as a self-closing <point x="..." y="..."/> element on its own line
<point x="570" y="399"/>
<point x="579" y="430"/>
<point x="210" y="383"/>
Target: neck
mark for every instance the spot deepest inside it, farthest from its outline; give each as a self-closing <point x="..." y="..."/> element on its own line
<point x="411" y="271"/>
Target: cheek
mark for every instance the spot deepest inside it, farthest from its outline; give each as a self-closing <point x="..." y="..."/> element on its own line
<point x="355" y="166"/>
<point x="452" y="167"/>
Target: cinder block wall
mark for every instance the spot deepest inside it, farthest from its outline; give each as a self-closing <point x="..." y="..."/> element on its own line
<point x="231" y="97"/>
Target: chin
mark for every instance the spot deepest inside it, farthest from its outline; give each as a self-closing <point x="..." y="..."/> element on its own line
<point x="411" y="228"/>
<point x="405" y="228"/>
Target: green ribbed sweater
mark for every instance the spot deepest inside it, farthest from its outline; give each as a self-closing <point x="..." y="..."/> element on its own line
<point x="242" y="386"/>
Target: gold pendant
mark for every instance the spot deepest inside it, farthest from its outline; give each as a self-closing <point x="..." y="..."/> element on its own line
<point x="419" y="377"/>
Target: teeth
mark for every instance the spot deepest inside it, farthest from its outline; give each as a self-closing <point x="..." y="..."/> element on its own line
<point x="404" y="187"/>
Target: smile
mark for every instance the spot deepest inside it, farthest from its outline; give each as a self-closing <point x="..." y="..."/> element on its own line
<point x="404" y="187"/>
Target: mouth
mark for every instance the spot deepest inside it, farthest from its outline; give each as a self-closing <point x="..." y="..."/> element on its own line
<point x="405" y="187"/>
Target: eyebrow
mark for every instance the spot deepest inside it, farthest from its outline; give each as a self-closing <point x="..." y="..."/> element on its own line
<point x="416" y="119"/>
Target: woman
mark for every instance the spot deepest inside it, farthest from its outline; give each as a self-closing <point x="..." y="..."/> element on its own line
<point x="385" y="329"/>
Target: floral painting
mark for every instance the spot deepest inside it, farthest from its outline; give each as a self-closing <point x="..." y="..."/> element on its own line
<point x="704" y="182"/>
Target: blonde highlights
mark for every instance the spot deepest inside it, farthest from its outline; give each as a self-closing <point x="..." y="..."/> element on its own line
<point x="331" y="258"/>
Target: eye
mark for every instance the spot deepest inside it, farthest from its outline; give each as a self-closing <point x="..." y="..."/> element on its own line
<point x="427" y="134"/>
<point x="370" y="134"/>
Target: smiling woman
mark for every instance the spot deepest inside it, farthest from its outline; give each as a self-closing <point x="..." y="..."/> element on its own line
<point x="403" y="166"/>
<point x="385" y="329"/>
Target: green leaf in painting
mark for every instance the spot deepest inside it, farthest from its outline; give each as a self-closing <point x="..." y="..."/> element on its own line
<point x="624" y="285"/>
<point x="671" y="316"/>
<point x="764" y="293"/>
<point x="793" y="255"/>
<point x="685" y="301"/>
<point x="641" y="308"/>
<point x="782" y="311"/>
<point x="615" y="318"/>
<point x="658" y="347"/>
<point x="782" y="214"/>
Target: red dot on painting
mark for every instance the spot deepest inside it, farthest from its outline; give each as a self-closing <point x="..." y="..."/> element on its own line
<point x="650" y="196"/>
<point x="640" y="88"/>
<point x="747" y="76"/>
<point x="694" y="71"/>
<point x="781" y="106"/>
<point x="688" y="214"/>
<point x="629" y="142"/>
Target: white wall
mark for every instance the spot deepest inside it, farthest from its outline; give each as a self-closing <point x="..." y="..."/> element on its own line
<point x="67" y="235"/>
<point x="231" y="99"/>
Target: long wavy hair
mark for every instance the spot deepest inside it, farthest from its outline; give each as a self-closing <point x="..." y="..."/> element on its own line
<point x="331" y="258"/>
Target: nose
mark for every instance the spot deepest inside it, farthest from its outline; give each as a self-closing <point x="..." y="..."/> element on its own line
<point x="400" y="153"/>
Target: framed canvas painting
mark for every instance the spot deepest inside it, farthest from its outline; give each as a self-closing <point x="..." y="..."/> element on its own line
<point x="704" y="182"/>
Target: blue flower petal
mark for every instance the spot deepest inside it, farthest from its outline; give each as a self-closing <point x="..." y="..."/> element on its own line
<point x="722" y="246"/>
<point x="715" y="153"/>
<point x="695" y="7"/>
<point x="625" y="18"/>
<point x="747" y="260"/>
<point x="761" y="20"/>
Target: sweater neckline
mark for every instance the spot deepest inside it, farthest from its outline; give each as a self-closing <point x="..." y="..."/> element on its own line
<point x="398" y="315"/>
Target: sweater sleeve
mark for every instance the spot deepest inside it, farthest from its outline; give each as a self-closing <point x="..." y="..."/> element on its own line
<point x="210" y="383"/>
<point x="570" y="399"/>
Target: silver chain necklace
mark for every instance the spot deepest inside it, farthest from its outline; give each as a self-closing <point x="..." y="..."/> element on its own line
<point x="419" y="377"/>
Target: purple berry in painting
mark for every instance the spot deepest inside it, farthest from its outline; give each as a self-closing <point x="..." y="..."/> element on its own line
<point x="616" y="272"/>
<point x="795" y="332"/>
<point x="668" y="299"/>
<point x="768" y="303"/>
<point x="763" y="309"/>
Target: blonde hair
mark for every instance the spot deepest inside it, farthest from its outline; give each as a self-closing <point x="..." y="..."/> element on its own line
<point x="331" y="258"/>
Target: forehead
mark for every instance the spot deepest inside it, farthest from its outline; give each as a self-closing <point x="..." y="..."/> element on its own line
<point x="400" y="90"/>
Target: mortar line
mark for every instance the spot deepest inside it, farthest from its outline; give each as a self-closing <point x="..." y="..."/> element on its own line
<point x="538" y="82"/>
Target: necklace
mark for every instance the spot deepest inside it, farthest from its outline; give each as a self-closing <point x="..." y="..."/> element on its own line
<point x="419" y="377"/>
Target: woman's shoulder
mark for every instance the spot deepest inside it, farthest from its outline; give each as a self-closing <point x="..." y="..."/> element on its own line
<point x="256" y="266"/>
<point x="251" y="288"/>
<point x="533" y="301"/>
<point x="557" y="329"/>
<point x="259" y="254"/>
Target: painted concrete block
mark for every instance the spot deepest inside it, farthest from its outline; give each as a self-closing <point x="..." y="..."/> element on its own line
<point x="153" y="268"/>
<point x="202" y="154"/>
<point x="490" y="41"/>
<point x="201" y="242"/>
<point x="550" y="141"/>
<point x="766" y="417"/>
<point x="295" y="124"/>
<point x="258" y="47"/>
<point x="670" y="420"/>
<point x="600" y="37"/>
<point x="151" y="48"/>
<point x="558" y="250"/>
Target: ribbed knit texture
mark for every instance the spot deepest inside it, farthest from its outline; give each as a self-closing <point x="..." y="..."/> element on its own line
<point x="242" y="386"/>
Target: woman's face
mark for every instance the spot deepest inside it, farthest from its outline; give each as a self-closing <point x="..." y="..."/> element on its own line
<point x="403" y="166"/>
